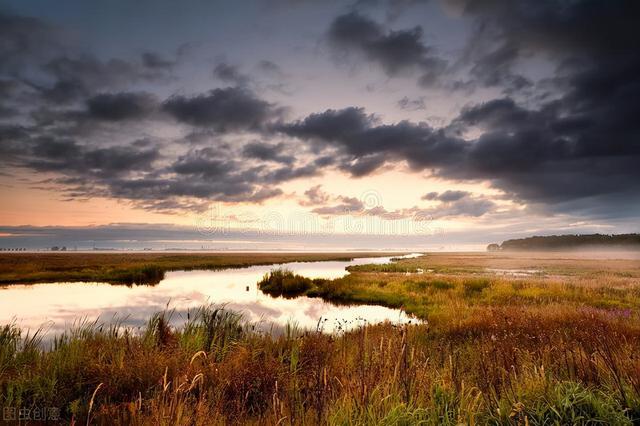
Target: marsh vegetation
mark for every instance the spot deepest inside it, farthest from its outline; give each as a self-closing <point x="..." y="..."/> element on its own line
<point x="560" y="347"/>
<point x="137" y="268"/>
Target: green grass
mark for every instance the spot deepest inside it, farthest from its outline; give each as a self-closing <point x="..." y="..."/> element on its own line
<point x="283" y="282"/>
<point x="542" y="350"/>
<point x="509" y="366"/>
<point x="137" y="268"/>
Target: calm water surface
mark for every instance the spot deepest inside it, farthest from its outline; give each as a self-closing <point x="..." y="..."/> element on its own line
<point x="57" y="306"/>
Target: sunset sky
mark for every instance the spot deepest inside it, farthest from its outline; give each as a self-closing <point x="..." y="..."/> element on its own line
<point x="304" y="124"/>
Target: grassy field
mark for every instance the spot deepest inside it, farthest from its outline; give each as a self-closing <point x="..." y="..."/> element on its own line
<point x="137" y="268"/>
<point x="557" y="344"/>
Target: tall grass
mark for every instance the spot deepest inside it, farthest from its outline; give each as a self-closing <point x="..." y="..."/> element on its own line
<point x="502" y="365"/>
<point x="283" y="282"/>
<point x="546" y="350"/>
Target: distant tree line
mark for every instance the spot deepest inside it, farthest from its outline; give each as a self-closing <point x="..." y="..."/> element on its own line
<point x="557" y="242"/>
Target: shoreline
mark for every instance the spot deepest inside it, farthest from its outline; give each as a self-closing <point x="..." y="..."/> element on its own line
<point x="143" y="268"/>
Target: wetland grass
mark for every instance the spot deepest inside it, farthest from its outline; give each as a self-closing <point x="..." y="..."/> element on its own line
<point x="498" y="366"/>
<point x="546" y="349"/>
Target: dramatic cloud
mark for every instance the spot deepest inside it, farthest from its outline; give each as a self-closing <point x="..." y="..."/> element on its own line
<point x="66" y="156"/>
<point x="121" y="106"/>
<point x="229" y="109"/>
<point x="357" y="135"/>
<point x="544" y="155"/>
<point x="510" y="32"/>
<point x="548" y="114"/>
<point x="397" y="52"/>
<point x="264" y="152"/>
<point x="35" y="54"/>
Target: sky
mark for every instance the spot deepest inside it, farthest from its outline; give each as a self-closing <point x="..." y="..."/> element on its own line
<point x="283" y="124"/>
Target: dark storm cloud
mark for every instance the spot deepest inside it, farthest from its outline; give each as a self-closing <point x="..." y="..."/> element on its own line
<point x="582" y="144"/>
<point x="330" y="125"/>
<point x="587" y="33"/>
<point x="573" y="144"/>
<point x="566" y="29"/>
<point x="64" y="91"/>
<point x="554" y="153"/>
<point x="362" y="166"/>
<point x="545" y="155"/>
<point x="66" y="156"/>
<point x="494" y="69"/>
<point x="228" y="109"/>
<point x="190" y="182"/>
<point x="284" y="174"/>
<point x="8" y="87"/>
<point x="214" y="174"/>
<point x="93" y="74"/>
<point x="37" y="55"/>
<point x="121" y="106"/>
<point x="206" y="163"/>
<point x="399" y="52"/>
<point x="13" y="138"/>
<point x="7" y="112"/>
<point x="266" y="152"/>
<point x="357" y="135"/>
<point x="89" y="158"/>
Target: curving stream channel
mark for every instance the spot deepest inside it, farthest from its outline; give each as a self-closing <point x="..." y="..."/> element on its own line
<point x="58" y="306"/>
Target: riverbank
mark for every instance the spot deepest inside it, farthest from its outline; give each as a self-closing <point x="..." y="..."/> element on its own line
<point x="508" y="365"/>
<point x="507" y="339"/>
<point x="433" y="284"/>
<point x="140" y="268"/>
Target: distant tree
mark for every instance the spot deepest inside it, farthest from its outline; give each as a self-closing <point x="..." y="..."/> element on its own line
<point x="493" y="247"/>
<point x="557" y="242"/>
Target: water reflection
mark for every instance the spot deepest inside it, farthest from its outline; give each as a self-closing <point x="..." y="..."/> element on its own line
<point x="58" y="305"/>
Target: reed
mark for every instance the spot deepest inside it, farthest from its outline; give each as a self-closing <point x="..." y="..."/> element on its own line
<point x="504" y="365"/>
<point x="283" y="282"/>
<point x="556" y="347"/>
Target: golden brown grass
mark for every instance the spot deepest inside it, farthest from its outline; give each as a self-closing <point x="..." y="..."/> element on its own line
<point x="506" y="365"/>
<point x="559" y="347"/>
<point x="138" y="268"/>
